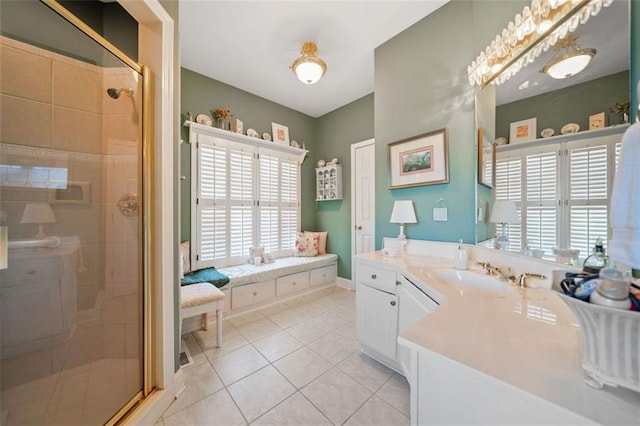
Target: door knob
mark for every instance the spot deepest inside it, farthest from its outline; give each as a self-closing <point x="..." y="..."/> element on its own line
<point x="359" y="228"/>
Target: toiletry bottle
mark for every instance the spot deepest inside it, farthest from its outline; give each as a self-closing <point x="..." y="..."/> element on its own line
<point x="461" y="258"/>
<point x="597" y="260"/>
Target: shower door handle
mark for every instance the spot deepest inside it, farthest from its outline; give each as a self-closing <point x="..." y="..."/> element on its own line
<point x="128" y="204"/>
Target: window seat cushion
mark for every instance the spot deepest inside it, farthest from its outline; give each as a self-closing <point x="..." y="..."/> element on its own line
<point x="247" y="273"/>
<point x="206" y="275"/>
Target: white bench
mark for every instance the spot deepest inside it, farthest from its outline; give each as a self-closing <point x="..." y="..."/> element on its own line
<point x="251" y="286"/>
<point x="199" y="299"/>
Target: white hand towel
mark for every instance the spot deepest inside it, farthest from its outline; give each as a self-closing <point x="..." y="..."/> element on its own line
<point x="624" y="216"/>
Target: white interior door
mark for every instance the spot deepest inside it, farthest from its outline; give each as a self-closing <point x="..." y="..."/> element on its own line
<point x="362" y="198"/>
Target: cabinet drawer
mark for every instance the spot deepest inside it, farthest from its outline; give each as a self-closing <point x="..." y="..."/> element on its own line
<point x="381" y="279"/>
<point x="290" y="283"/>
<point x="251" y="294"/>
<point x="324" y="275"/>
<point x="30" y="269"/>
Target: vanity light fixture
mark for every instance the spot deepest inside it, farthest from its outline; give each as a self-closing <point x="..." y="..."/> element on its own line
<point x="572" y="62"/>
<point x="402" y="213"/>
<point x="308" y="67"/>
<point x="538" y="28"/>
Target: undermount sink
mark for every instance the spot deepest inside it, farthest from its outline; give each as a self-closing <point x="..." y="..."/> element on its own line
<point x="473" y="279"/>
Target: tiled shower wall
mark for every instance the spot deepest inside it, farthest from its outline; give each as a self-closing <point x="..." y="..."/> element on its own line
<point x="55" y="112"/>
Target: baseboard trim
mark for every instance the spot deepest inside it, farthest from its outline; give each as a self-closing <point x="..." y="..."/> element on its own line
<point x="345" y="283"/>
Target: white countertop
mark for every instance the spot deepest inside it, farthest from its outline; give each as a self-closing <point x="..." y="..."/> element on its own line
<point x="528" y="338"/>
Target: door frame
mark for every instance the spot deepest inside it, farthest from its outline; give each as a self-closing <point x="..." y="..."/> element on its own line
<point x="354" y="147"/>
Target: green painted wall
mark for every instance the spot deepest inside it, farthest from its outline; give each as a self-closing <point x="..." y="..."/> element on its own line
<point x="569" y="105"/>
<point x="421" y="85"/>
<point x="335" y="132"/>
<point x="199" y="94"/>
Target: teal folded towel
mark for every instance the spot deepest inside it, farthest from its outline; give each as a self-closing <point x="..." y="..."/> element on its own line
<point x="207" y="275"/>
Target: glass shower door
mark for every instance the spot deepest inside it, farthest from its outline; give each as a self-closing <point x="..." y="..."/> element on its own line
<point x="71" y="297"/>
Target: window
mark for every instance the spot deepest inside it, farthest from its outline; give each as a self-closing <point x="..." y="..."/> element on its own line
<point x="561" y="191"/>
<point x="245" y="196"/>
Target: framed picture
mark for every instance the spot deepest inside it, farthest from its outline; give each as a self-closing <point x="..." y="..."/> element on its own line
<point x="280" y="133"/>
<point x="523" y="131"/>
<point x="486" y="158"/>
<point x="420" y="160"/>
<point x="597" y="121"/>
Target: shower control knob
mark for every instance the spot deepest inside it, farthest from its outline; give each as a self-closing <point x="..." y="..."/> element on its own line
<point x="128" y="204"/>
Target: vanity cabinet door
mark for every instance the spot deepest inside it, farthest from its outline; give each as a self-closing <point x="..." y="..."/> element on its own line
<point x="377" y="320"/>
<point x="415" y="305"/>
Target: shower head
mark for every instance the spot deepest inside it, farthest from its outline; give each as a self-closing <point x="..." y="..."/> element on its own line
<point x="115" y="93"/>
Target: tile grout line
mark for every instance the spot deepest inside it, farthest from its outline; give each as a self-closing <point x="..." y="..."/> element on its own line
<point x="340" y="305"/>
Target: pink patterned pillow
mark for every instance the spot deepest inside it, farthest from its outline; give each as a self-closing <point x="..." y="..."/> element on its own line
<point x="306" y="244"/>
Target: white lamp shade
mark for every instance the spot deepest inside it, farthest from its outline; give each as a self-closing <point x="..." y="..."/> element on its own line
<point x="504" y="211"/>
<point x="38" y="213"/>
<point x="403" y="212"/>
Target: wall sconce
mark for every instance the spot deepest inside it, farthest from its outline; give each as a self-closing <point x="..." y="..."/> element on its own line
<point x="402" y="213"/>
<point x="538" y="28"/>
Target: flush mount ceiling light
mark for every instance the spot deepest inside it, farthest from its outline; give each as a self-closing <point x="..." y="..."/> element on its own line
<point x="538" y="28"/>
<point x="570" y="63"/>
<point x="308" y="67"/>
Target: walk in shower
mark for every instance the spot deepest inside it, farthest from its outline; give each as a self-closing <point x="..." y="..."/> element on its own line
<point x="71" y="296"/>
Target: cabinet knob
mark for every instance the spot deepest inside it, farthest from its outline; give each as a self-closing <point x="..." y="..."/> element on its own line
<point x="397" y="282"/>
<point x="32" y="272"/>
<point x="255" y="293"/>
<point x="294" y="283"/>
<point x="359" y="228"/>
<point x="374" y="276"/>
<point x="393" y="303"/>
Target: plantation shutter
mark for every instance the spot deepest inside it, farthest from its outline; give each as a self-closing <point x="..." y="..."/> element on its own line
<point x="269" y="188"/>
<point x="210" y="241"/>
<point x="245" y="194"/>
<point x="541" y="210"/>
<point x="278" y="199"/>
<point x="289" y="202"/>
<point x="509" y="187"/>
<point x="241" y="201"/>
<point x="588" y="194"/>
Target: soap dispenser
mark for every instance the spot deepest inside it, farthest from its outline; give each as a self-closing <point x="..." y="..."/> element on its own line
<point x="461" y="258"/>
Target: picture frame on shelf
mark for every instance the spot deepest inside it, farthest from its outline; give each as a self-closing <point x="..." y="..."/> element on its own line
<point x="419" y="160"/>
<point x="523" y="130"/>
<point x="237" y="126"/>
<point x="597" y="121"/>
<point x="280" y="133"/>
<point x="486" y="159"/>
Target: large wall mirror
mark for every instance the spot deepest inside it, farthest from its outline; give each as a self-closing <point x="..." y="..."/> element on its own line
<point x="591" y="98"/>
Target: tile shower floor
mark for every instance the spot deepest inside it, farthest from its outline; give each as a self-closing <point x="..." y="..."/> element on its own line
<point x="295" y="363"/>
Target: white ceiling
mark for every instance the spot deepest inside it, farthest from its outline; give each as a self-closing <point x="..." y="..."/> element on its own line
<point x="251" y="44"/>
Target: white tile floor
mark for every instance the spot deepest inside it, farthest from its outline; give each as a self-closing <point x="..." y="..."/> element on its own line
<point x="294" y="363"/>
